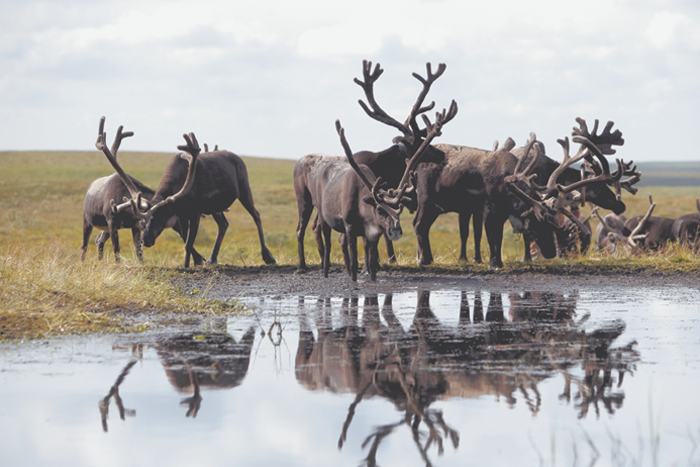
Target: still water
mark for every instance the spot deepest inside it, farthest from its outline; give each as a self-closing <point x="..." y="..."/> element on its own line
<point x="445" y="378"/>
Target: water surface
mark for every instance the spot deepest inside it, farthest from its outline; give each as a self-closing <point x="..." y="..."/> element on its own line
<point x="454" y="377"/>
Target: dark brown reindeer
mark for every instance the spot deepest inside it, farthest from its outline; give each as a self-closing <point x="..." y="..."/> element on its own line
<point x="554" y="199"/>
<point x="453" y="178"/>
<point x="460" y="179"/>
<point x="597" y="192"/>
<point x="389" y="165"/>
<point x="104" y="192"/>
<point x="354" y="204"/>
<point x="193" y="185"/>
<point x="686" y="228"/>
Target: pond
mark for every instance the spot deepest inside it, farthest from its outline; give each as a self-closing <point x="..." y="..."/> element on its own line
<point x="591" y="376"/>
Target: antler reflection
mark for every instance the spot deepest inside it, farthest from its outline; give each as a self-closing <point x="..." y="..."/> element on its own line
<point x="496" y="350"/>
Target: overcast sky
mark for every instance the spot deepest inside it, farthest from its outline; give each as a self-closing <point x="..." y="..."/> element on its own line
<point x="269" y="77"/>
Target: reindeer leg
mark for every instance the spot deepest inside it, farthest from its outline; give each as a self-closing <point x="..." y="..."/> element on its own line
<point x="305" y="209"/>
<point x="373" y="259"/>
<point x="318" y="235"/>
<point x="352" y="248"/>
<point x="527" y="239"/>
<point x="494" y="235"/>
<point x="181" y="228"/>
<point x="327" y="250"/>
<point x="114" y="235"/>
<point x="389" y="250"/>
<point x="100" y="242"/>
<point x="246" y="198"/>
<point x="136" y="235"/>
<point x="343" y="240"/>
<point x="221" y="221"/>
<point x="366" y="266"/>
<point x="464" y="218"/>
<point x="424" y="219"/>
<point x="478" y="224"/>
<point x="87" y="231"/>
<point x="192" y="230"/>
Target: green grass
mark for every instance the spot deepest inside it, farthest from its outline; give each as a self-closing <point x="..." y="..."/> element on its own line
<point x="41" y="197"/>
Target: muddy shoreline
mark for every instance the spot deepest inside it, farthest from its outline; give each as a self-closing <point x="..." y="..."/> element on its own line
<point x="228" y="283"/>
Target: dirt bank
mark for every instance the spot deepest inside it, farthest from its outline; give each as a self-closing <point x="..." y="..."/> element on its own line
<point x="227" y="283"/>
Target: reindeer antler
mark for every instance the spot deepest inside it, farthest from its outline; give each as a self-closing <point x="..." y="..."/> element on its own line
<point x="603" y="141"/>
<point x="111" y="156"/>
<point x="377" y="113"/>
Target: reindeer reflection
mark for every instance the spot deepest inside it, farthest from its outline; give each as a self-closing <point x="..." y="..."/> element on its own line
<point x="192" y="362"/>
<point x="114" y="393"/>
<point x="212" y="361"/>
<point x="488" y="353"/>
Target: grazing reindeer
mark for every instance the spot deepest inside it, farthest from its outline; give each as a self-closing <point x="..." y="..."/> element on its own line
<point x="597" y="192"/>
<point x="554" y="198"/>
<point x="101" y="196"/>
<point x="686" y="228"/>
<point x="193" y="185"/>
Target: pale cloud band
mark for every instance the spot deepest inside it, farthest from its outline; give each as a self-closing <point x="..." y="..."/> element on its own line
<point x="270" y="77"/>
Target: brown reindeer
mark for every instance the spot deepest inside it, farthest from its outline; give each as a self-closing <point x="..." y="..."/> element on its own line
<point x="104" y="192"/>
<point x="597" y="192"/>
<point x="193" y="185"/>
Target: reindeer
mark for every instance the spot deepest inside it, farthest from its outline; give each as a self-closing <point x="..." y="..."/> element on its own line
<point x="102" y="195"/>
<point x="597" y="192"/>
<point x="648" y="232"/>
<point x="194" y="185"/>
<point x="554" y="198"/>
<point x="389" y="164"/>
<point x="353" y="203"/>
<point x="455" y="179"/>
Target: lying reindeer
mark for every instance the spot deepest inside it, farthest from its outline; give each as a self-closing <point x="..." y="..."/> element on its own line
<point x="648" y="232"/>
<point x="103" y="193"/>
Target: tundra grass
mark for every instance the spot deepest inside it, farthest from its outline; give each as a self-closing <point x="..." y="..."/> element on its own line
<point x="46" y="289"/>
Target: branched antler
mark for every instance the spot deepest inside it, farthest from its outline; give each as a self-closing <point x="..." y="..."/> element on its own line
<point x="111" y="156"/>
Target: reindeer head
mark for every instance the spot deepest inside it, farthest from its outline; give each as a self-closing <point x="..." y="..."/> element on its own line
<point x="162" y="215"/>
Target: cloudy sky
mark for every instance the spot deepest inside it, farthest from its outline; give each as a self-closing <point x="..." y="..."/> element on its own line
<point x="269" y="77"/>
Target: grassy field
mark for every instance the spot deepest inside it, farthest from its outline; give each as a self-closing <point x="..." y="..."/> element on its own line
<point x="46" y="289"/>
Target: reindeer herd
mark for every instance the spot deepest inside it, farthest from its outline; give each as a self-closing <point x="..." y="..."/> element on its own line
<point x="363" y="194"/>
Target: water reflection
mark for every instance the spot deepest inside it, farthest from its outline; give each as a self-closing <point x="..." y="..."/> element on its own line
<point x="495" y="345"/>
<point x="192" y="361"/>
<point x="114" y="393"/>
<point x="489" y="352"/>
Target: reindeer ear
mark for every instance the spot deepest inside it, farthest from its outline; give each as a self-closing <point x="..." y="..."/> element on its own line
<point x="370" y="200"/>
<point x="411" y="203"/>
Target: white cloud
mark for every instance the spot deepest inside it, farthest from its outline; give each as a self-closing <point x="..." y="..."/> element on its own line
<point x="667" y="30"/>
<point x="244" y="70"/>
